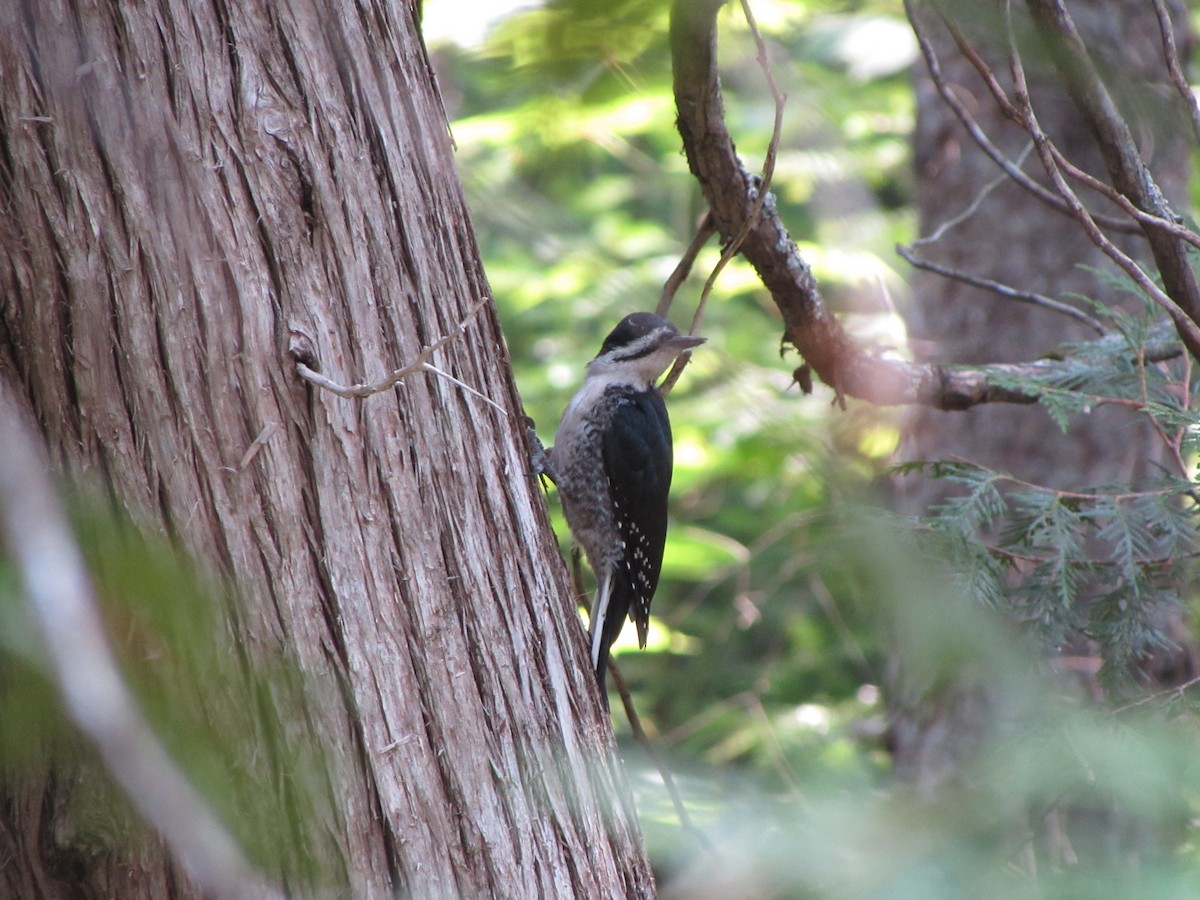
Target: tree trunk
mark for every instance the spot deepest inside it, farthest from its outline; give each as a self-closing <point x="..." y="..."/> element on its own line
<point x="1007" y="239"/>
<point x="188" y="190"/>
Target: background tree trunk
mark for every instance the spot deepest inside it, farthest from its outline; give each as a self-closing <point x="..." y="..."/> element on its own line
<point x="187" y="188"/>
<point x="1006" y="239"/>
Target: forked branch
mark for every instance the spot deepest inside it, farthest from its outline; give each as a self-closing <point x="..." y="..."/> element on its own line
<point x="738" y="211"/>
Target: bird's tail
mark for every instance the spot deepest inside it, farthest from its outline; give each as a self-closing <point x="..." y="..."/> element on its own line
<point x="609" y="609"/>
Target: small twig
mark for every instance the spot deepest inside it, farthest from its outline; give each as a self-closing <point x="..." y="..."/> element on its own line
<point x="768" y="171"/>
<point x="643" y="739"/>
<point x="752" y="705"/>
<point x="1096" y="499"/>
<point x="971" y="55"/>
<point x="1003" y="290"/>
<point x="1186" y="383"/>
<point x="366" y="389"/>
<point x="1091" y="562"/>
<point x="1013" y="170"/>
<point x="705" y="230"/>
<point x="81" y="662"/>
<point x="1177" y="692"/>
<point x="973" y="208"/>
<point x="635" y="721"/>
<point x="1081" y="496"/>
<point x="987" y="284"/>
<point x="1174" y="68"/>
<point x="1088" y="180"/>
<point x="1188" y="329"/>
<point x="850" y="643"/>
<point x="1172" y="444"/>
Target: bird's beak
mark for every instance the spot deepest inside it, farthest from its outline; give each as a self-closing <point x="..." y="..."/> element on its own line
<point x="685" y="342"/>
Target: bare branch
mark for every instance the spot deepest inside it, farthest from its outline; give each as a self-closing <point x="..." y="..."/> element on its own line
<point x="1016" y="115"/>
<point x="1144" y="218"/>
<point x="733" y="199"/>
<point x="1171" y="54"/>
<point x="647" y="745"/>
<point x="1013" y="170"/>
<point x="809" y="324"/>
<point x="1189" y="332"/>
<point x="1003" y="290"/>
<point x="909" y="255"/>
<point x="98" y="701"/>
<point x="421" y="364"/>
<point x="705" y="230"/>
<point x="973" y="206"/>
<point x="1171" y="693"/>
<point x="1129" y="173"/>
<point x="762" y="190"/>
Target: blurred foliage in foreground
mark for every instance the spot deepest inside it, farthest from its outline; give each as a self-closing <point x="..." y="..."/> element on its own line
<point x="777" y="603"/>
<point x="201" y="687"/>
<point x="1066" y="800"/>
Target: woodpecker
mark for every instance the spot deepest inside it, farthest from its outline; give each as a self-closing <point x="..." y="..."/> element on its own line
<point x="612" y="463"/>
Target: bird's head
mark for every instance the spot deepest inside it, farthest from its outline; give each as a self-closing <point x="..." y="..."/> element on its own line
<point x="642" y="345"/>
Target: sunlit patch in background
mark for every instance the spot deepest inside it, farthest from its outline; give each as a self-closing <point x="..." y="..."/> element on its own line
<point x="465" y="22"/>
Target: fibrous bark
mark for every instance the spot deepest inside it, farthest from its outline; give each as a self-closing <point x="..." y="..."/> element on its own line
<point x="188" y="189"/>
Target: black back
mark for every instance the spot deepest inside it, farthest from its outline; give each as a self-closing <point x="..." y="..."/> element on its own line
<point x="638" y="461"/>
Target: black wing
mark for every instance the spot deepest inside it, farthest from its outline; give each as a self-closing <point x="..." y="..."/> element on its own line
<point x="637" y="460"/>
